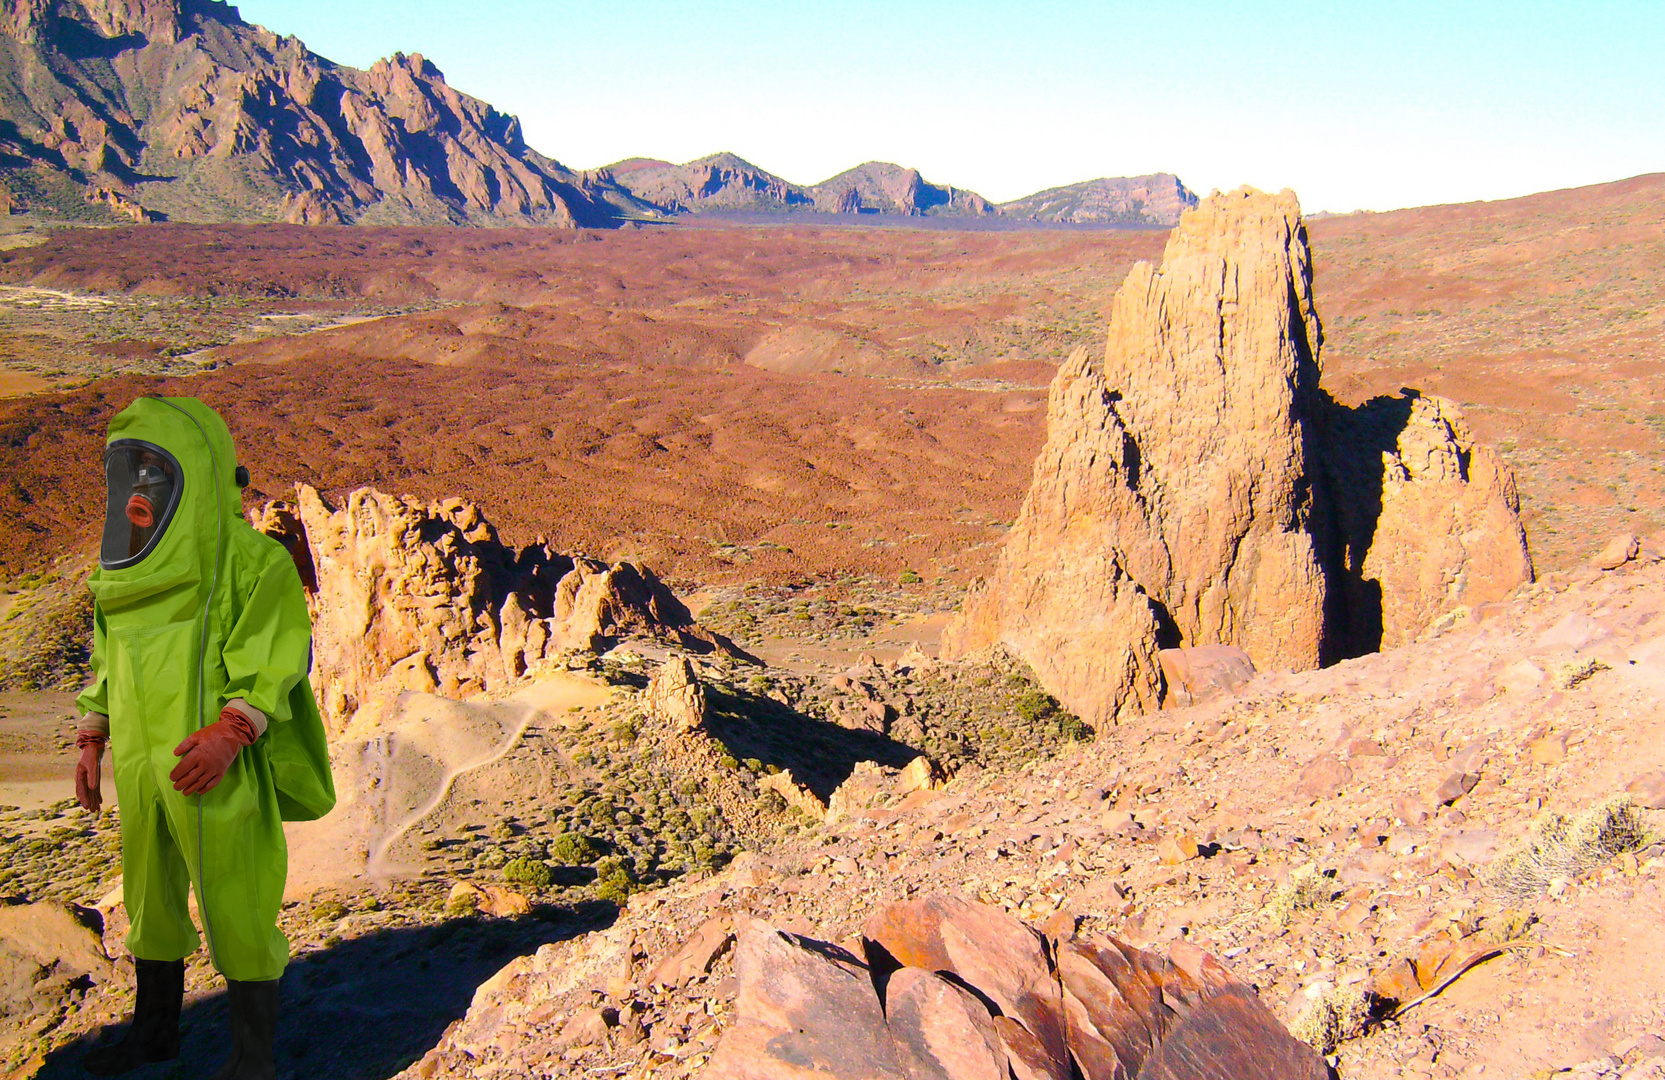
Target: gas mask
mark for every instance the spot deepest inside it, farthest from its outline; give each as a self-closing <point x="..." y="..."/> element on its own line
<point x="144" y="487"/>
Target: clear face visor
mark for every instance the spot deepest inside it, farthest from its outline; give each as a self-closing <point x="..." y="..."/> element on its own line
<point x="144" y="492"/>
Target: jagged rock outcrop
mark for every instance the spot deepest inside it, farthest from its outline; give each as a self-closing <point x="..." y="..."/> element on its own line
<point x="945" y="988"/>
<point x="1155" y="200"/>
<point x="1197" y="487"/>
<point x="1428" y="519"/>
<point x="180" y="108"/>
<point x="410" y="595"/>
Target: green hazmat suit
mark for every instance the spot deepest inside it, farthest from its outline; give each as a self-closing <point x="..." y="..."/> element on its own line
<point x="211" y="610"/>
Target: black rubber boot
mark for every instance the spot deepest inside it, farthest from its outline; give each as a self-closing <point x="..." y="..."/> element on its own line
<point x="154" y="1033"/>
<point x="254" y="1009"/>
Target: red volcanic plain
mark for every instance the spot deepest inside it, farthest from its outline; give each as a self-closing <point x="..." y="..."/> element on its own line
<point x="778" y="403"/>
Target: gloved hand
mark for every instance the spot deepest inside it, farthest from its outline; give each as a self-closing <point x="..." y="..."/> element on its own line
<point x="89" y="770"/>
<point x="209" y="753"/>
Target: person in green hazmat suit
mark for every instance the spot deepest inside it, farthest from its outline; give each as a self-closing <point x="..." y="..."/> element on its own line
<point x="201" y="650"/>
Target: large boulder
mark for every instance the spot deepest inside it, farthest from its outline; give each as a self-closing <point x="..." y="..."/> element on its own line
<point x="1197" y="488"/>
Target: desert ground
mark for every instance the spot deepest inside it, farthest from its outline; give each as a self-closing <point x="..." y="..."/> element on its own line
<point x="818" y="438"/>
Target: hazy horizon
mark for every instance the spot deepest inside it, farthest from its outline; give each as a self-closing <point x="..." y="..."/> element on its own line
<point x="1353" y="109"/>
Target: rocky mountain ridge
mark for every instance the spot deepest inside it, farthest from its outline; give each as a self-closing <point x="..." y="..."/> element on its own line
<point x="1159" y="198"/>
<point x="146" y="110"/>
<point x="726" y="182"/>
<point x="180" y="109"/>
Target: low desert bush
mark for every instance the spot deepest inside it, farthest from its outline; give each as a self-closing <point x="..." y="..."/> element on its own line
<point x="525" y="871"/>
<point x="572" y="849"/>
<point x="1306" y="889"/>
<point x="1562" y="847"/>
<point x="1340" y="1013"/>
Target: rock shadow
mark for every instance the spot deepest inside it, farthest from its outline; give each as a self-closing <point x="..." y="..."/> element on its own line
<point x="1352" y="442"/>
<point x="366" y="1008"/>
<point x="821" y="754"/>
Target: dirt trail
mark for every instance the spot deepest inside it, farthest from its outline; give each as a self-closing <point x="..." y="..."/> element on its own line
<point x="399" y="764"/>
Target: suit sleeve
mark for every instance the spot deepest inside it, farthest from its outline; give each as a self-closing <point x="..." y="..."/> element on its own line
<point x="269" y="650"/>
<point x="96" y="697"/>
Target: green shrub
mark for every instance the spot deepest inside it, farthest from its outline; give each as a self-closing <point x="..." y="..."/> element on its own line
<point x="1036" y="705"/>
<point x="524" y="871"/>
<point x="572" y="849"/>
<point x="616" y="887"/>
<point x="329" y="911"/>
<point x="910" y="578"/>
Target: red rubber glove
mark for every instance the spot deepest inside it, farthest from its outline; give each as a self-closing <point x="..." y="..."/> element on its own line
<point x="88" y="771"/>
<point x="209" y="753"/>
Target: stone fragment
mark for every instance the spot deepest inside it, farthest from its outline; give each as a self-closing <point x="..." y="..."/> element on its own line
<point x="1176" y="848"/>
<point x="697" y="954"/>
<point x="1203" y="672"/>
<point x="1114" y="1002"/>
<point x="941" y="1031"/>
<point x="1521" y="677"/>
<point x="1648" y="790"/>
<point x="587" y="1027"/>
<point x="1549" y="749"/>
<point x="804" y="1009"/>
<point x="921" y="774"/>
<point x="675" y="696"/>
<point x="503" y="903"/>
<point x="1411" y="811"/>
<point x="988" y="949"/>
<point x="1453" y="787"/>
<point x="1323" y="777"/>
<point x="1619" y="550"/>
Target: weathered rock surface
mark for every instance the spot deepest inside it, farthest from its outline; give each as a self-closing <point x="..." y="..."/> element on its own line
<point x="408" y="595"/>
<point x="50" y="956"/>
<point x="804" y="1010"/>
<point x="1198" y="674"/>
<point x="1197" y="488"/>
<point x="1429" y="520"/>
<point x="980" y="995"/>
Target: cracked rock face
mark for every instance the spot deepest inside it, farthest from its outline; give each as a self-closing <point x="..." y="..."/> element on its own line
<point x="980" y="994"/>
<point x="1197" y="488"/>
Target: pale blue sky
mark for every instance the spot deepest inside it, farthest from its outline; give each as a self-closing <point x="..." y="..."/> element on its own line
<point x="1354" y="105"/>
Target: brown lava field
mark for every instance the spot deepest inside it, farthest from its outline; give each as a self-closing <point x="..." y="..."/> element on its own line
<point x="775" y="404"/>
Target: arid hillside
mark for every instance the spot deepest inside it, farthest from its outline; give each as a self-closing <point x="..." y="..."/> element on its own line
<point x="693" y="396"/>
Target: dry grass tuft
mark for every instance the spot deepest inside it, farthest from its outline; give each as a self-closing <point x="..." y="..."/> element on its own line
<point x="1576" y="671"/>
<point x="1340" y="1013"/>
<point x="1562" y="847"/>
<point x="1306" y="889"/>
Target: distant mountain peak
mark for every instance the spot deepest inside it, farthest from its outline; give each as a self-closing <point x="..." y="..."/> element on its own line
<point x="1154" y="199"/>
<point x="179" y="108"/>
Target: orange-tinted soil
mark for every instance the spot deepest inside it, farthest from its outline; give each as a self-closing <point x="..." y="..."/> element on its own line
<point x="594" y="387"/>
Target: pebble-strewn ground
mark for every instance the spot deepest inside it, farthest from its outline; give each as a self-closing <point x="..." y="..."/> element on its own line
<point x="1193" y="824"/>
